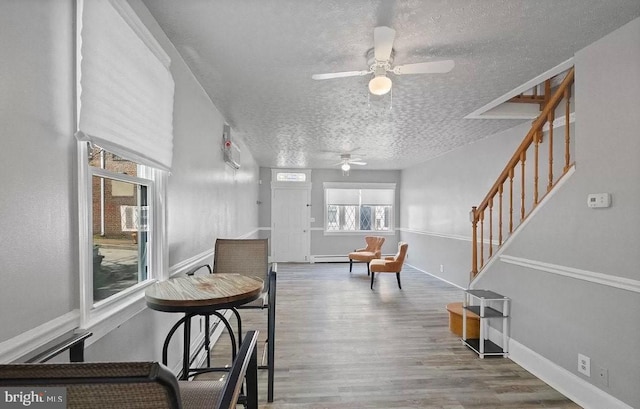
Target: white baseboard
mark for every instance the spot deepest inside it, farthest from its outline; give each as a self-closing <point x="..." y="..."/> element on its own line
<point x="435" y="276"/>
<point x="569" y="384"/>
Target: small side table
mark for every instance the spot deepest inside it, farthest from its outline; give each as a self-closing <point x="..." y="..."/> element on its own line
<point x="487" y="305"/>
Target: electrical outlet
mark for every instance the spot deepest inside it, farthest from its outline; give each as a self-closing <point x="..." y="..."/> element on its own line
<point x="584" y="365"/>
<point x="603" y="376"/>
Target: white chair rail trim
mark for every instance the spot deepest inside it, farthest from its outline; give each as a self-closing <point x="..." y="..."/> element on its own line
<point x="21" y="344"/>
<point x="621" y="283"/>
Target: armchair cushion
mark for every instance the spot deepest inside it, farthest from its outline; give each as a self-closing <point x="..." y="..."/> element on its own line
<point x="371" y="252"/>
<point x="390" y="264"/>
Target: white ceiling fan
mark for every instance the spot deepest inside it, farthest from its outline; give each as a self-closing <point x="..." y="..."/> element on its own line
<point x="346" y="161"/>
<point x="380" y="58"/>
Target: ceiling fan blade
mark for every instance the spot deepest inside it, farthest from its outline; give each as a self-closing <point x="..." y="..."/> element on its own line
<point x="339" y="75"/>
<point x="357" y="163"/>
<point x="383" y="42"/>
<point x="431" y="67"/>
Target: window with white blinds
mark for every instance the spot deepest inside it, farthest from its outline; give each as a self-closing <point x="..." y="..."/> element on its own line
<point x="352" y="207"/>
<point x="125" y="92"/>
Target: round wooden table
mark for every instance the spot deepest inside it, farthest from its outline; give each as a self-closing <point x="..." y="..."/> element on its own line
<point x="201" y="295"/>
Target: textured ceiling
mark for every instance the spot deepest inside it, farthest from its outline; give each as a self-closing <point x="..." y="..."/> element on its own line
<point x="255" y="59"/>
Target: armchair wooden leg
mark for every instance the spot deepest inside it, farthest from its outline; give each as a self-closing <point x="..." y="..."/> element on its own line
<point x="372" y="273"/>
<point x="398" y="277"/>
<point x="368" y="270"/>
<point x="350" y="265"/>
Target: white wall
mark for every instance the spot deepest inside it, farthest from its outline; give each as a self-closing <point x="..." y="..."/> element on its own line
<point x="556" y="316"/>
<point x="559" y="317"/>
<point x="437" y="196"/>
<point x="38" y="202"/>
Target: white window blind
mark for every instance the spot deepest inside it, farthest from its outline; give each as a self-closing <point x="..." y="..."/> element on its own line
<point x="126" y="88"/>
<point x="381" y="197"/>
<point x="381" y="194"/>
<point x="343" y="197"/>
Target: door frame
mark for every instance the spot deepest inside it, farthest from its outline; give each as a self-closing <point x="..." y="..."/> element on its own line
<point x="293" y="184"/>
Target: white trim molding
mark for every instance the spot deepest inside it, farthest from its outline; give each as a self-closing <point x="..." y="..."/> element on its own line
<point x="22" y="344"/>
<point x="569" y="384"/>
<point x="436" y="234"/>
<point x="436" y="277"/>
<point x="480" y="112"/>
<point x="191" y="262"/>
<point x="445" y="235"/>
<point x="621" y="283"/>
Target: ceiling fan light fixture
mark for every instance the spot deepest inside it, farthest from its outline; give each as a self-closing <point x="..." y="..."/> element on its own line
<point x="345" y="167"/>
<point x="380" y="85"/>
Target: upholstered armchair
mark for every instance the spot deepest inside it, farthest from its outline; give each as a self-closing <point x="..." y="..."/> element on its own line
<point x="371" y="252"/>
<point x="391" y="264"/>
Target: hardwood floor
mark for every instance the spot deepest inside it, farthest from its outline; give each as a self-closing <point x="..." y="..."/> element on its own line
<point x="341" y="345"/>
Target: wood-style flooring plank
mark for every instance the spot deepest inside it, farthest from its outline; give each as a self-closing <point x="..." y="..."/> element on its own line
<point x="341" y="345"/>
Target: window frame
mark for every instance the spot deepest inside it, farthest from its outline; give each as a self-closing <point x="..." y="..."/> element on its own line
<point x="359" y="186"/>
<point x="112" y="311"/>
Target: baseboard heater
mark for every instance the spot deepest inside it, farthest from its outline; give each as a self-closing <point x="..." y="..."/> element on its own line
<point x="342" y="258"/>
<point x="325" y="258"/>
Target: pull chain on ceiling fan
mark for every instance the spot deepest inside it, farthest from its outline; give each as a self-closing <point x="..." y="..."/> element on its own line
<point x="380" y="59"/>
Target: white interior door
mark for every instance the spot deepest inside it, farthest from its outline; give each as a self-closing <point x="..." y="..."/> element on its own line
<point x="290" y="225"/>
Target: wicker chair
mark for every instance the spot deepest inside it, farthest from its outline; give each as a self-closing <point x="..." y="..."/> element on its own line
<point x="139" y="385"/>
<point x="371" y="252"/>
<point x="390" y="264"/>
<point x="250" y="257"/>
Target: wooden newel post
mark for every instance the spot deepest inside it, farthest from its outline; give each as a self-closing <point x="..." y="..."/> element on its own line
<point x="474" y="241"/>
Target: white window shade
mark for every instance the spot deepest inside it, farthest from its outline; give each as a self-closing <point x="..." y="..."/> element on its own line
<point x="126" y="88"/>
<point x="343" y="197"/>
<point x="382" y="197"/>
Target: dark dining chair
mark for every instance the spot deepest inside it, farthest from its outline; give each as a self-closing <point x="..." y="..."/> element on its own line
<point x="250" y="257"/>
<point x="138" y="385"/>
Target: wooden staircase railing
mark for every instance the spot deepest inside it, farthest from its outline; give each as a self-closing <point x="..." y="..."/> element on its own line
<point x="519" y="175"/>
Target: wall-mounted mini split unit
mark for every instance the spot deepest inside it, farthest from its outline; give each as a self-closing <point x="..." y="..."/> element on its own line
<point x="230" y="151"/>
